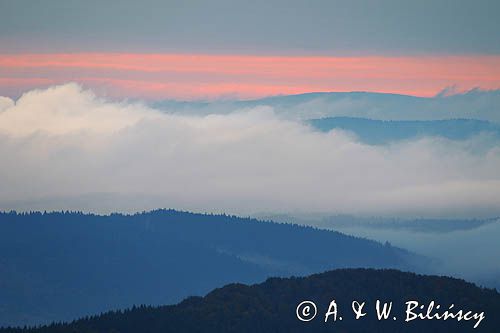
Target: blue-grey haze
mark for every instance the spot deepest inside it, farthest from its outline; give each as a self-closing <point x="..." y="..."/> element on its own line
<point x="262" y="26"/>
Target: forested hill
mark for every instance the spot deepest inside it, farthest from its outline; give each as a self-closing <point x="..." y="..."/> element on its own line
<point x="61" y="266"/>
<point x="271" y="307"/>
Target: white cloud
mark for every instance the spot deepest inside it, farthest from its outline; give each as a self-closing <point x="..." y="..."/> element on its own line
<point x="5" y="103"/>
<point x="67" y="109"/>
<point x="63" y="148"/>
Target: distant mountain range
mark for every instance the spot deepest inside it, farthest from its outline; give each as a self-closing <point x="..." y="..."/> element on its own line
<point x="59" y="266"/>
<point x="336" y="222"/>
<point x="272" y="307"/>
<point x="475" y="104"/>
<point x="385" y="131"/>
<point x="375" y="118"/>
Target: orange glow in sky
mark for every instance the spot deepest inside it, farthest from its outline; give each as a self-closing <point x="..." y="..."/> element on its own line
<point x="202" y="76"/>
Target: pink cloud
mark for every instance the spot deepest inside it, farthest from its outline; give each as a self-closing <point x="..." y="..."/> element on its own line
<point x="201" y="76"/>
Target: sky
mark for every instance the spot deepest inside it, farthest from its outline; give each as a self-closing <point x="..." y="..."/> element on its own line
<point x="257" y="27"/>
<point x="210" y="50"/>
<point x="209" y="77"/>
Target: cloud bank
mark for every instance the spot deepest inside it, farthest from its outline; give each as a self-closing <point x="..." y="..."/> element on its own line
<point x="65" y="148"/>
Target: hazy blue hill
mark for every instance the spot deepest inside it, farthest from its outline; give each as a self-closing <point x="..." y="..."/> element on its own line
<point x="384" y="131"/>
<point x="339" y="222"/>
<point x="292" y="100"/>
<point x="59" y="266"/>
<point x="474" y="104"/>
<point x="287" y="104"/>
<point x="270" y="306"/>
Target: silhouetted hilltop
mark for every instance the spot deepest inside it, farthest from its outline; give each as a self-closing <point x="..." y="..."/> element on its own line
<point x="271" y="307"/>
<point x="59" y="266"/>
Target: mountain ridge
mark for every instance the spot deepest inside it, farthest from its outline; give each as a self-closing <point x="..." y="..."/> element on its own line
<point x="116" y="260"/>
<point x="373" y="131"/>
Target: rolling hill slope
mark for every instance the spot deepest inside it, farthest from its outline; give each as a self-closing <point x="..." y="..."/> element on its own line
<point x="59" y="266"/>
